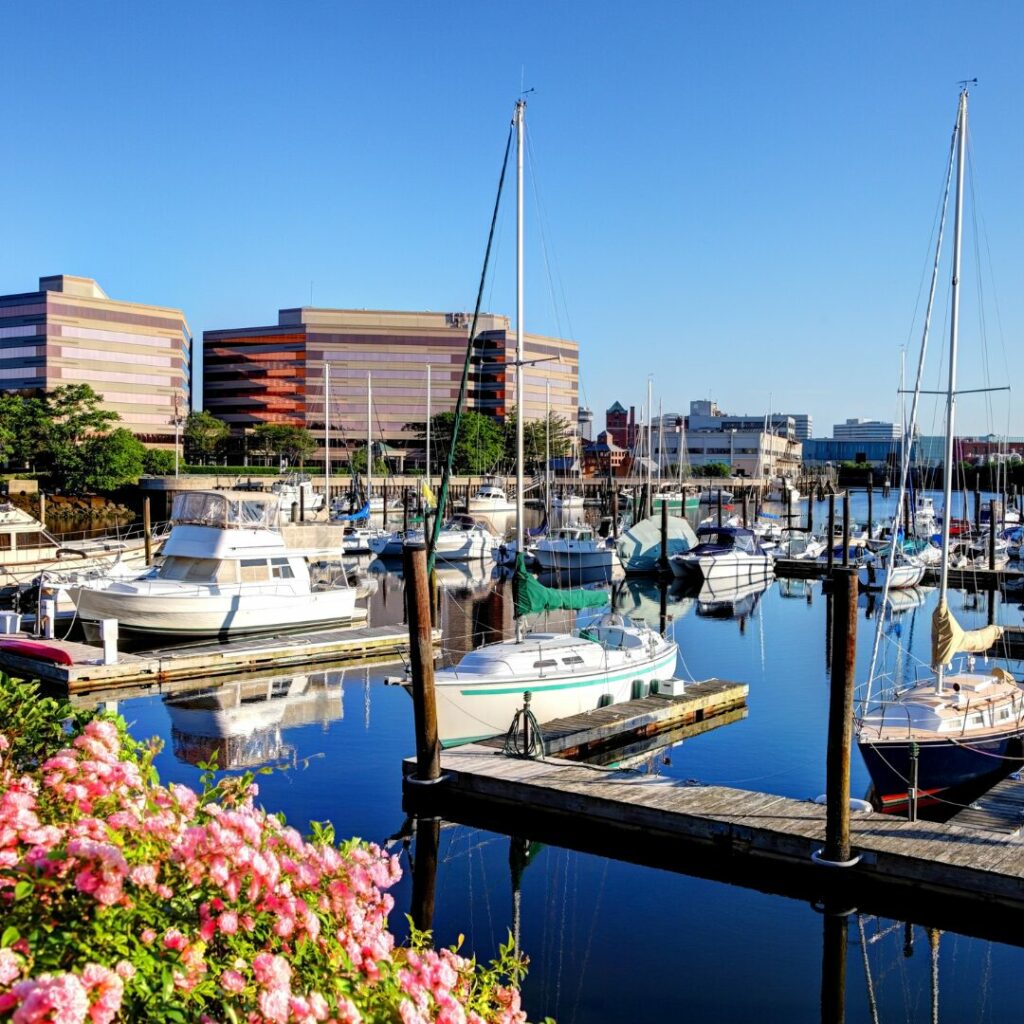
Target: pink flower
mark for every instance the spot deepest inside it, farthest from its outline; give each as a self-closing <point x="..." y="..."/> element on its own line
<point x="105" y="989"/>
<point x="173" y="939"/>
<point x="232" y="981"/>
<point x="125" y="970"/>
<point x="228" y="922"/>
<point x="51" y="999"/>
<point x="148" y="935"/>
<point x="10" y="968"/>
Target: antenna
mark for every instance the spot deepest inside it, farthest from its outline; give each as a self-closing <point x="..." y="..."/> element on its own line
<point x="964" y="82"/>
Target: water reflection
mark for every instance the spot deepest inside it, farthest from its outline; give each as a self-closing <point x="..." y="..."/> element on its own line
<point x="239" y="723"/>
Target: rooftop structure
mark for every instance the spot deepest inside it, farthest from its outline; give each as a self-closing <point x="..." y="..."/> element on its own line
<point x="137" y="356"/>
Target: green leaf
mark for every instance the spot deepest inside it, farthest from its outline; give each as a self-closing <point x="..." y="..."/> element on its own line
<point x="23" y="889"/>
<point x="10" y="936"/>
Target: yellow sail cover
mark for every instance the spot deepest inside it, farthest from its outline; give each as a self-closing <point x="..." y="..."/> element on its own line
<point x="950" y="638"/>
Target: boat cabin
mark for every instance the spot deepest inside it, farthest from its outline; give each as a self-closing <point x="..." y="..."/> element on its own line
<point x="712" y="540"/>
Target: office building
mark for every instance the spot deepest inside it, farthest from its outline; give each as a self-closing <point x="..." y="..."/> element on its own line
<point x="803" y="424"/>
<point x="866" y="430"/>
<point x="276" y="374"/>
<point x="137" y="356"/>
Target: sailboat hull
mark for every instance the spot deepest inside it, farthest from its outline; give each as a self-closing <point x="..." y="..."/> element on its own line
<point x="941" y="765"/>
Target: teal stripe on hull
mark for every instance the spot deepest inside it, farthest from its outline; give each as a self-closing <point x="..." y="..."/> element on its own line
<point x="538" y="685"/>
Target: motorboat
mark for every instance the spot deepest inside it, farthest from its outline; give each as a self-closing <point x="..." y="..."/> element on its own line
<point x="574" y="547"/>
<point x="296" y="492"/>
<point x="725" y="552"/>
<point x="567" y="501"/>
<point x="225" y="570"/>
<point x="490" y="497"/>
<point x="799" y="544"/>
<point x="358" y="540"/>
<point x="461" y="539"/>
<point x="882" y="569"/>
<point x="28" y="549"/>
<point x="678" y="501"/>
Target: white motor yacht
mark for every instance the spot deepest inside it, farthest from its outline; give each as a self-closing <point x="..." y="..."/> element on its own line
<point x="462" y="539"/>
<point x="490" y="497"/>
<point x="296" y="490"/>
<point x="574" y="547"/>
<point x="225" y="570"/>
<point x="725" y="552"/>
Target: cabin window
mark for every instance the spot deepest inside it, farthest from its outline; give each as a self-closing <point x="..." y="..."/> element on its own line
<point x="975" y="720"/>
<point x="32" y="540"/>
<point x="194" y="570"/>
<point x="254" y="570"/>
<point x="1004" y="713"/>
<point x="281" y="570"/>
<point x="573" y="659"/>
<point x="5" y="542"/>
<point x="546" y="663"/>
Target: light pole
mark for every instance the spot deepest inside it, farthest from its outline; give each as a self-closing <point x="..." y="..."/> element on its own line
<point x="177" y="433"/>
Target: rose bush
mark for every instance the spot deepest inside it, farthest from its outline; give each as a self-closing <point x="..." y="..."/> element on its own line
<point x="124" y="899"/>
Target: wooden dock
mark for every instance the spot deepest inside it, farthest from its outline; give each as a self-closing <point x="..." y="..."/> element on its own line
<point x="999" y="810"/>
<point x="941" y="870"/>
<point x="581" y="737"/>
<point x="210" y="659"/>
<point x="973" y="580"/>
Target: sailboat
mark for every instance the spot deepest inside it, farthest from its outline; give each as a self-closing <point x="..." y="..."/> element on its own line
<point x="610" y="659"/>
<point x="957" y="728"/>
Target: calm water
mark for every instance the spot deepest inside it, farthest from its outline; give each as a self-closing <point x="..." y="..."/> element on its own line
<point x="611" y="941"/>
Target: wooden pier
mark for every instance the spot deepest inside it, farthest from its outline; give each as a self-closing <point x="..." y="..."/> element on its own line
<point x="739" y="834"/>
<point x="973" y="580"/>
<point x="208" y="659"/>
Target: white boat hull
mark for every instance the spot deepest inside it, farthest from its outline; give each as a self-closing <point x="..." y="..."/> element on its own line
<point x="873" y="577"/>
<point x="740" y="568"/>
<point x="553" y="559"/>
<point x="473" y="711"/>
<point x="201" y="612"/>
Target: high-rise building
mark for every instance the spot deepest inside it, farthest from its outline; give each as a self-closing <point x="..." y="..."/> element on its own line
<point x="803" y="423"/>
<point x="866" y="430"/>
<point x="585" y="424"/>
<point x="275" y="374"/>
<point x="137" y="356"/>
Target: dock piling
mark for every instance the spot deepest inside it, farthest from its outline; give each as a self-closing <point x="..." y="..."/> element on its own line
<point x="663" y="566"/>
<point x="840" y="718"/>
<point x="992" y="534"/>
<point x="421" y="656"/>
<point x="846" y="529"/>
<point x="424" y="872"/>
<point x="831" y="533"/>
<point x="719" y="506"/>
<point x="871" y="496"/>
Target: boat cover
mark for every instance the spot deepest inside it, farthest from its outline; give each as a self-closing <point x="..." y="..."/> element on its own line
<point x="949" y="637"/>
<point x="532" y="596"/>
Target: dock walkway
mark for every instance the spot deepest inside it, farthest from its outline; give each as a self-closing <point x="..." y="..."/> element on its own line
<point x="208" y="659"/>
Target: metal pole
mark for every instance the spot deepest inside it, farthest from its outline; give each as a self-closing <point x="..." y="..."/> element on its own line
<point x="147" y="529"/>
<point x="846" y="529"/>
<point x="615" y="512"/>
<point x="327" y="437"/>
<point x="831" y="532"/>
<point x="421" y="657"/>
<point x="840" y="716"/>
<point x="719" y="506"/>
<point x="992" y="534"/>
<point x="428" y="425"/>
<point x="871" y="497"/>
<point x="520" y="390"/>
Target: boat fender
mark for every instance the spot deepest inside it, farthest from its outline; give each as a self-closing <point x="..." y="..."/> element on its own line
<point x="859" y="806"/>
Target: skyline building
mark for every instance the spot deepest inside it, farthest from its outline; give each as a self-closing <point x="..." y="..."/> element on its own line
<point x="135" y="355"/>
<point x="276" y="373"/>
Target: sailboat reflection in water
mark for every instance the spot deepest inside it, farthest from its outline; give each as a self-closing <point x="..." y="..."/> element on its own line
<point x="241" y="723"/>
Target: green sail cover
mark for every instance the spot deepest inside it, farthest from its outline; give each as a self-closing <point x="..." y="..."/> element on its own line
<point x="532" y="596"/>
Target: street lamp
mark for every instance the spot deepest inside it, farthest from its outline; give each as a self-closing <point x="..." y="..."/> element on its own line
<point x="177" y="421"/>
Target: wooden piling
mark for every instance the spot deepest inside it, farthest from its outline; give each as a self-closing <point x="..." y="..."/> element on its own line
<point x="302" y="504"/>
<point x="719" y="506"/>
<point x="746" y="499"/>
<point x="835" y="939"/>
<point x="424" y="872"/>
<point x="840" y="716"/>
<point x="405" y="510"/>
<point x="831" y="533"/>
<point x="789" y="508"/>
<point x="977" y="506"/>
<point x="871" y="497"/>
<point x="663" y="566"/>
<point x="295" y="512"/>
<point x="846" y="529"/>
<point x="147" y="530"/>
<point x="421" y="657"/>
<point x="992" y="534"/>
<point x="810" y="514"/>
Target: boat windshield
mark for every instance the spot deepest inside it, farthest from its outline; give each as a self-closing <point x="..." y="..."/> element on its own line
<point x="208" y="508"/>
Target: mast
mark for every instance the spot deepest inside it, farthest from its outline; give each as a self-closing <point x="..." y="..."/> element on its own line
<point x="954" y="333"/>
<point x="428" y="426"/>
<point x="520" y="390"/>
<point x="547" y="446"/>
<point x="327" y="437"/>
<point x="369" y="441"/>
<point x="650" y="496"/>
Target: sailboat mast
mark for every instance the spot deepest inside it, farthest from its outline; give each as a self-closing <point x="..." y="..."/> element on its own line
<point x="650" y="497"/>
<point x="428" y="426"/>
<point x="954" y="333"/>
<point x="369" y="439"/>
<point x="547" y="444"/>
<point x="520" y="390"/>
<point x="327" y="437"/>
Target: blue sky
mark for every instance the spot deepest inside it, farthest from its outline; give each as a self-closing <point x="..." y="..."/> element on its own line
<point x="734" y="197"/>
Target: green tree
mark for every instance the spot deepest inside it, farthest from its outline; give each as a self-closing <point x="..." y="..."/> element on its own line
<point x="536" y="437"/>
<point x="24" y="429"/>
<point x="113" y="460"/>
<point x="291" y="443"/>
<point x="480" y="445"/>
<point x="358" y="462"/>
<point x="75" y="413"/>
<point x="158" y="462"/>
<point x="203" y="435"/>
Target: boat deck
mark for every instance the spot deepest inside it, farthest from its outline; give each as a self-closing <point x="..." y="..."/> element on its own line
<point x="207" y="659"/>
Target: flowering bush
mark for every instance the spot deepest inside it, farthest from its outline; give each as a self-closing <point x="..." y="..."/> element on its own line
<point x="123" y="899"/>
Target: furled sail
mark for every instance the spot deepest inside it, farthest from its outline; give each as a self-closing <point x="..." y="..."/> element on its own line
<point x="351" y="517"/>
<point x="532" y="596"/>
<point x="950" y="638"/>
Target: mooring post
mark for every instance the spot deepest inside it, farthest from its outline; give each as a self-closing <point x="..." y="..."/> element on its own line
<point x="147" y="530"/>
<point x="424" y="872"/>
<point x="846" y="529"/>
<point x="810" y="514"/>
<point x="835" y="939"/>
<point x="421" y="656"/>
<point x="746" y="500"/>
<point x="789" y="508"/>
<point x="302" y="504"/>
<point x="663" y="606"/>
<point x="615" y="513"/>
<point x="663" y="566"/>
<point x="405" y="510"/>
<point x="840" y="717"/>
<point x="295" y="511"/>
<point x="871" y="496"/>
<point x="831" y="533"/>
<point x="992" y="535"/>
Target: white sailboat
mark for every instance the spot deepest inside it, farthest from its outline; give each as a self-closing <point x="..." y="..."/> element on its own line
<point x="950" y="729"/>
<point x="566" y="673"/>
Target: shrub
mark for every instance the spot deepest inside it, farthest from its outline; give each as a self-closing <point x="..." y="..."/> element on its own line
<point x="124" y="899"/>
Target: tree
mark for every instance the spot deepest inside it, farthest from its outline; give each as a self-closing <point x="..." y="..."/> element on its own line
<point x="291" y="443"/>
<point x="102" y="462"/>
<point x="204" y="434"/>
<point x="75" y="413"/>
<point x="358" y="462"/>
<point x="480" y="445"/>
<point x="556" y="437"/>
<point x="158" y="462"/>
<point x="24" y="429"/>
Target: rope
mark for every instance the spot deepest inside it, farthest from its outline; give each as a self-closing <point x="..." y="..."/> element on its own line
<point x="524" y="738"/>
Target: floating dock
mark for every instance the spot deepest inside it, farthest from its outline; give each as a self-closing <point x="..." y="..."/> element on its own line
<point x="959" y="579"/>
<point x="207" y="660"/>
